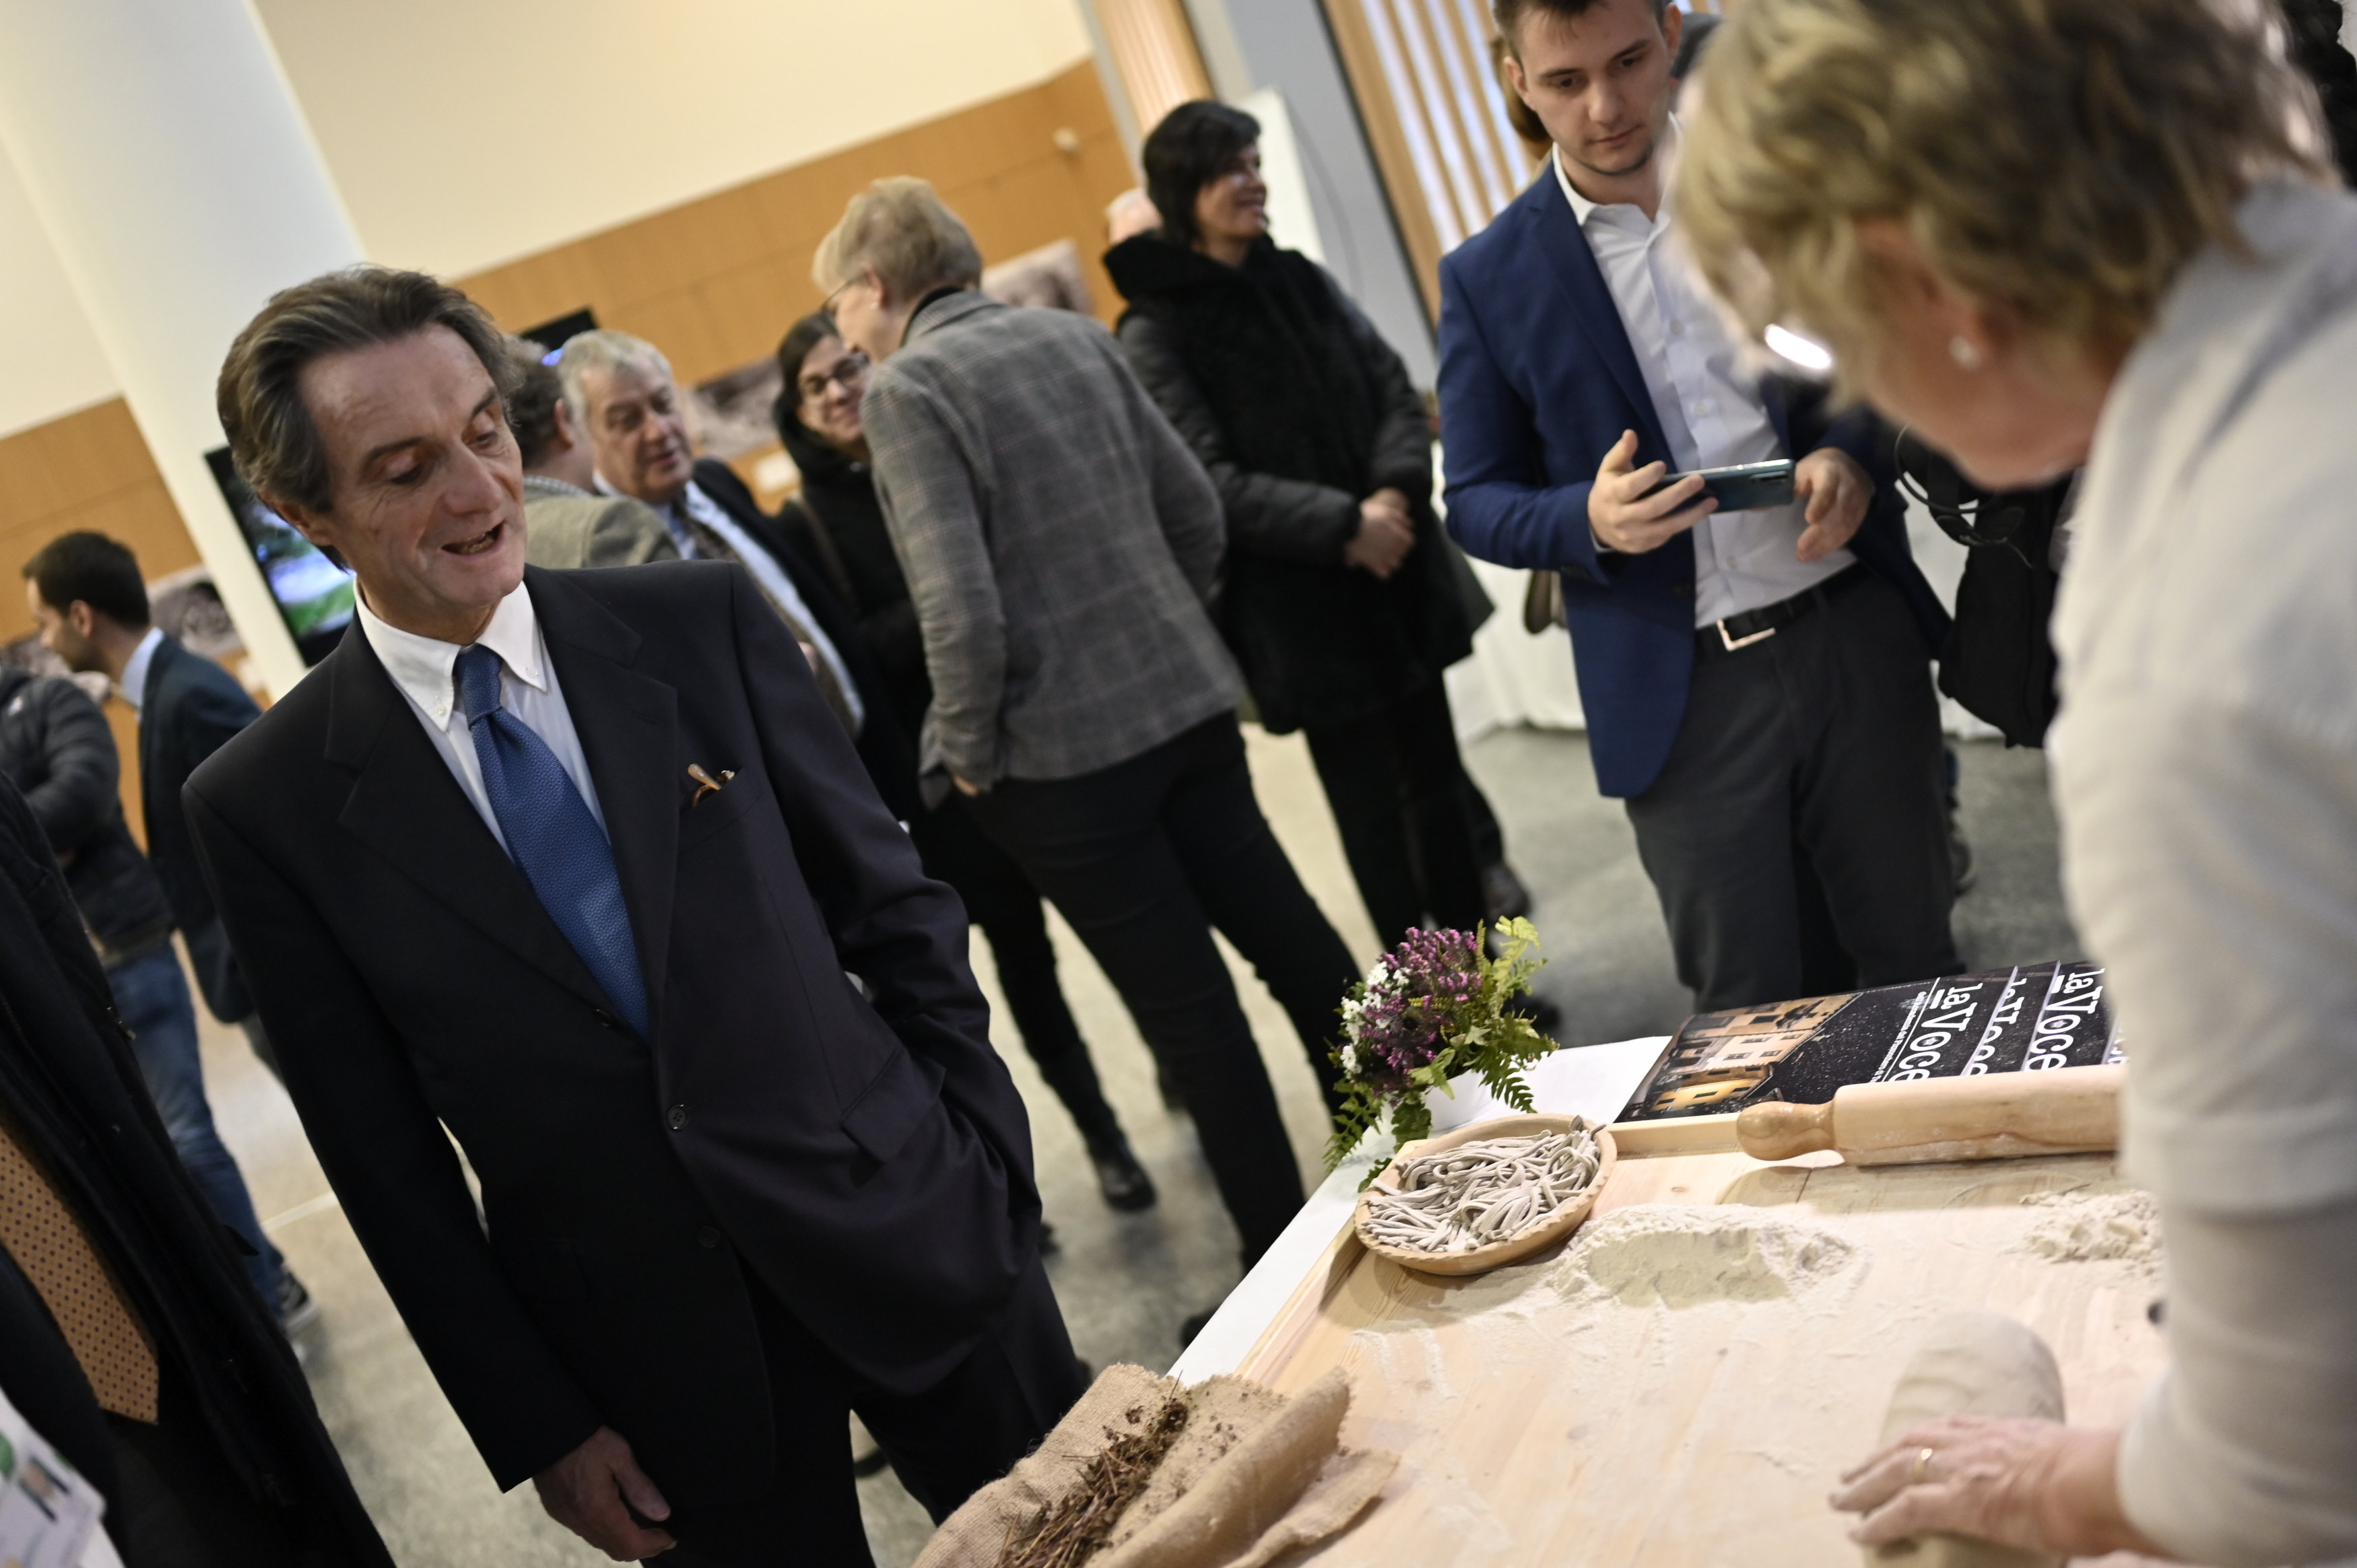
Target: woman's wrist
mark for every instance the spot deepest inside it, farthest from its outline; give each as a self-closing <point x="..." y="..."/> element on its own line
<point x="2080" y="1513"/>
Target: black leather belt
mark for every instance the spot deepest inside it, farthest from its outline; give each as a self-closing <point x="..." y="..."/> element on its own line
<point x="1740" y="631"/>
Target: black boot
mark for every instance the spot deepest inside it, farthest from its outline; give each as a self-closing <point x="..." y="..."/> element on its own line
<point x="1120" y="1179"/>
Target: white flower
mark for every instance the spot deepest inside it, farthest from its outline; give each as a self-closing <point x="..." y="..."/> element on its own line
<point x="1350" y="1060"/>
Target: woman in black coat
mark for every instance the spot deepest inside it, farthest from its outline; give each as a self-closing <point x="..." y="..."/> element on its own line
<point x="1340" y="600"/>
<point x="841" y="527"/>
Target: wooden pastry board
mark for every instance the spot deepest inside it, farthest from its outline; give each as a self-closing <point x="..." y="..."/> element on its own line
<point x="1703" y="1434"/>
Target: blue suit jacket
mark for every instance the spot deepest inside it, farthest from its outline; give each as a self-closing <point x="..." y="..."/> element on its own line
<point x="1537" y="381"/>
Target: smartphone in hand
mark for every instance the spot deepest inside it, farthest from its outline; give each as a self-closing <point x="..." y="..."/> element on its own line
<point x="1745" y="487"/>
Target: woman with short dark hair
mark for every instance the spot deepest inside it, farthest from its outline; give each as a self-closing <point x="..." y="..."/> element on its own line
<point x="817" y="415"/>
<point x="1340" y="599"/>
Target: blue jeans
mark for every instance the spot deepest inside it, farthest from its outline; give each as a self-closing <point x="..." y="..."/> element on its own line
<point x="152" y="995"/>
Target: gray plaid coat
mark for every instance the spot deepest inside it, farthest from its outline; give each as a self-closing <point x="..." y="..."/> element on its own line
<point x="1059" y="539"/>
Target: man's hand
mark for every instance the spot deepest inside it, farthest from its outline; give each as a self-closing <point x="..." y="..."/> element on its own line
<point x="1837" y="491"/>
<point x="1620" y="514"/>
<point x="1386" y="534"/>
<point x="2037" y="1485"/>
<point x="585" y="1492"/>
<point x="963" y="788"/>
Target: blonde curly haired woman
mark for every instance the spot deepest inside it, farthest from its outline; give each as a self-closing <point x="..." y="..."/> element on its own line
<point x="2055" y="232"/>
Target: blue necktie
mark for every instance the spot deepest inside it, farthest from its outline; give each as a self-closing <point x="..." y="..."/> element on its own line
<point x="553" y="837"/>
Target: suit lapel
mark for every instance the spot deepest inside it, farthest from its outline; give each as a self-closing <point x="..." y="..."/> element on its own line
<point x="1572" y="268"/>
<point x="628" y="725"/>
<point x="405" y="805"/>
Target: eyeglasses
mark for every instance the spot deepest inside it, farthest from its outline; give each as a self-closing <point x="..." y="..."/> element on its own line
<point x="826" y="306"/>
<point x="848" y="372"/>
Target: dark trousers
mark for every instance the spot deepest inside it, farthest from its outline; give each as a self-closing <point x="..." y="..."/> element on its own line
<point x="1814" y="750"/>
<point x="1146" y="858"/>
<point x="1398" y="791"/>
<point x="1001" y="900"/>
<point x="945" y="1443"/>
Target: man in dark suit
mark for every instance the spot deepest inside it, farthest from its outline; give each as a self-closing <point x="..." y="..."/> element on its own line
<point x="1756" y="683"/>
<point x="90" y="604"/>
<point x="129" y="1335"/>
<point x="87" y="593"/>
<point x="581" y="866"/>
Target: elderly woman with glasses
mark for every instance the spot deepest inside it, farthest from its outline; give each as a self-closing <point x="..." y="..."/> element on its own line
<point x="1060" y="542"/>
<point x="2048" y="232"/>
<point x="818" y="419"/>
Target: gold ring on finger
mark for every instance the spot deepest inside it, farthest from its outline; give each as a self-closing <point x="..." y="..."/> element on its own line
<point x="1923" y="1471"/>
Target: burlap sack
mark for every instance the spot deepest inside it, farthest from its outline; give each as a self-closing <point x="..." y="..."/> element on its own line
<point x="1250" y="1476"/>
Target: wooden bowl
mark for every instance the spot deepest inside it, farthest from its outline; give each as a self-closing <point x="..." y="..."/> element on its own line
<point x="1554" y="1228"/>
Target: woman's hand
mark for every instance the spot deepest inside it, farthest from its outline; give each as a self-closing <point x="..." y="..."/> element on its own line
<point x="2038" y="1484"/>
<point x="1386" y="534"/>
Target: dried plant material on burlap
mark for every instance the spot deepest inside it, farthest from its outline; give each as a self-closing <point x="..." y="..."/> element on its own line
<point x="1970" y="1363"/>
<point x="1143" y="1474"/>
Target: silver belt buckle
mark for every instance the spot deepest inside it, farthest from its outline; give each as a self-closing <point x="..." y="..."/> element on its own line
<point x="1732" y="643"/>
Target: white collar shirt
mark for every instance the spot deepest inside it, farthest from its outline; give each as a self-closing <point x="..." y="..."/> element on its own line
<point x="133" y="687"/>
<point x="1710" y="407"/>
<point x="425" y="670"/>
<point x="775" y="581"/>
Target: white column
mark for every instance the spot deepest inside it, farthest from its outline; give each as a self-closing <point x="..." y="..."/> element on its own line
<point x="161" y="143"/>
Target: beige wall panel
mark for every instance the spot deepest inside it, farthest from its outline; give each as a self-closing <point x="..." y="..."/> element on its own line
<point x="91" y="454"/>
<point x="463" y="134"/>
<point x="27" y="489"/>
<point x="716" y="281"/>
<point x="752" y="307"/>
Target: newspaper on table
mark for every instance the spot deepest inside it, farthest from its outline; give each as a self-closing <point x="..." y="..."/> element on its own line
<point x="2030" y="1018"/>
<point x="49" y="1514"/>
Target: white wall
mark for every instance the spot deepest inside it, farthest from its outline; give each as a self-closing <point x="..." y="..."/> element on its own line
<point x="54" y="363"/>
<point x="468" y="132"/>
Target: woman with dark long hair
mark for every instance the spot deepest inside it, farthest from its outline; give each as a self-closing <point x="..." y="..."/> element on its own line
<point x="1339" y="597"/>
<point x="817" y="418"/>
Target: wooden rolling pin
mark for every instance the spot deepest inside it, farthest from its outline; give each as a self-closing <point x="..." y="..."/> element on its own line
<point x="2000" y="1115"/>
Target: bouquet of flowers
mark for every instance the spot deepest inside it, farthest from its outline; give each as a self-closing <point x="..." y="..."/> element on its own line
<point x="1431" y="1008"/>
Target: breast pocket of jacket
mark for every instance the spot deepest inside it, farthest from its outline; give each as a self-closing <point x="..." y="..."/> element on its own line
<point x="716" y="811"/>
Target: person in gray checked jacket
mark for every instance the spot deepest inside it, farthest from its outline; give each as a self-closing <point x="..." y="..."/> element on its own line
<point x="1062" y="543"/>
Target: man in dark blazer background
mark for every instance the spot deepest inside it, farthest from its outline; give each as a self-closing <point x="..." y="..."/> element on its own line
<point x="582" y="866"/>
<point x="92" y="603"/>
<point x="1762" y="698"/>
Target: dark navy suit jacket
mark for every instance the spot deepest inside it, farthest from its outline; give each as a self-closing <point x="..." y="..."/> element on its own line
<point x="865" y="1156"/>
<point x="190" y="709"/>
<point x="1537" y="381"/>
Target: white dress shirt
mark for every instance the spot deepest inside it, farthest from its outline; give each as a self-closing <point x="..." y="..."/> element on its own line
<point x="426" y="670"/>
<point x="775" y="581"/>
<point x="133" y="687"/>
<point x="1710" y="409"/>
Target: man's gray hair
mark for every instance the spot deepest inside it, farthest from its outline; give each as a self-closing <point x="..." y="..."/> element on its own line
<point x="907" y="233"/>
<point x="607" y="350"/>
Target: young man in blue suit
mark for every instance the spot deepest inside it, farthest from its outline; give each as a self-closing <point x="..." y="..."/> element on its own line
<point x="1755" y="682"/>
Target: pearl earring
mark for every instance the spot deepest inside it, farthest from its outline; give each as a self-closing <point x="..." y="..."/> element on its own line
<point x="1961" y="349"/>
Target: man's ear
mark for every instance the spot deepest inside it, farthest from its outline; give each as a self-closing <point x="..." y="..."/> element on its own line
<point x="312" y="525"/>
<point x="83" y="619"/>
<point x="1673" y="28"/>
<point x="567" y="438"/>
<point x="1516" y="79"/>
